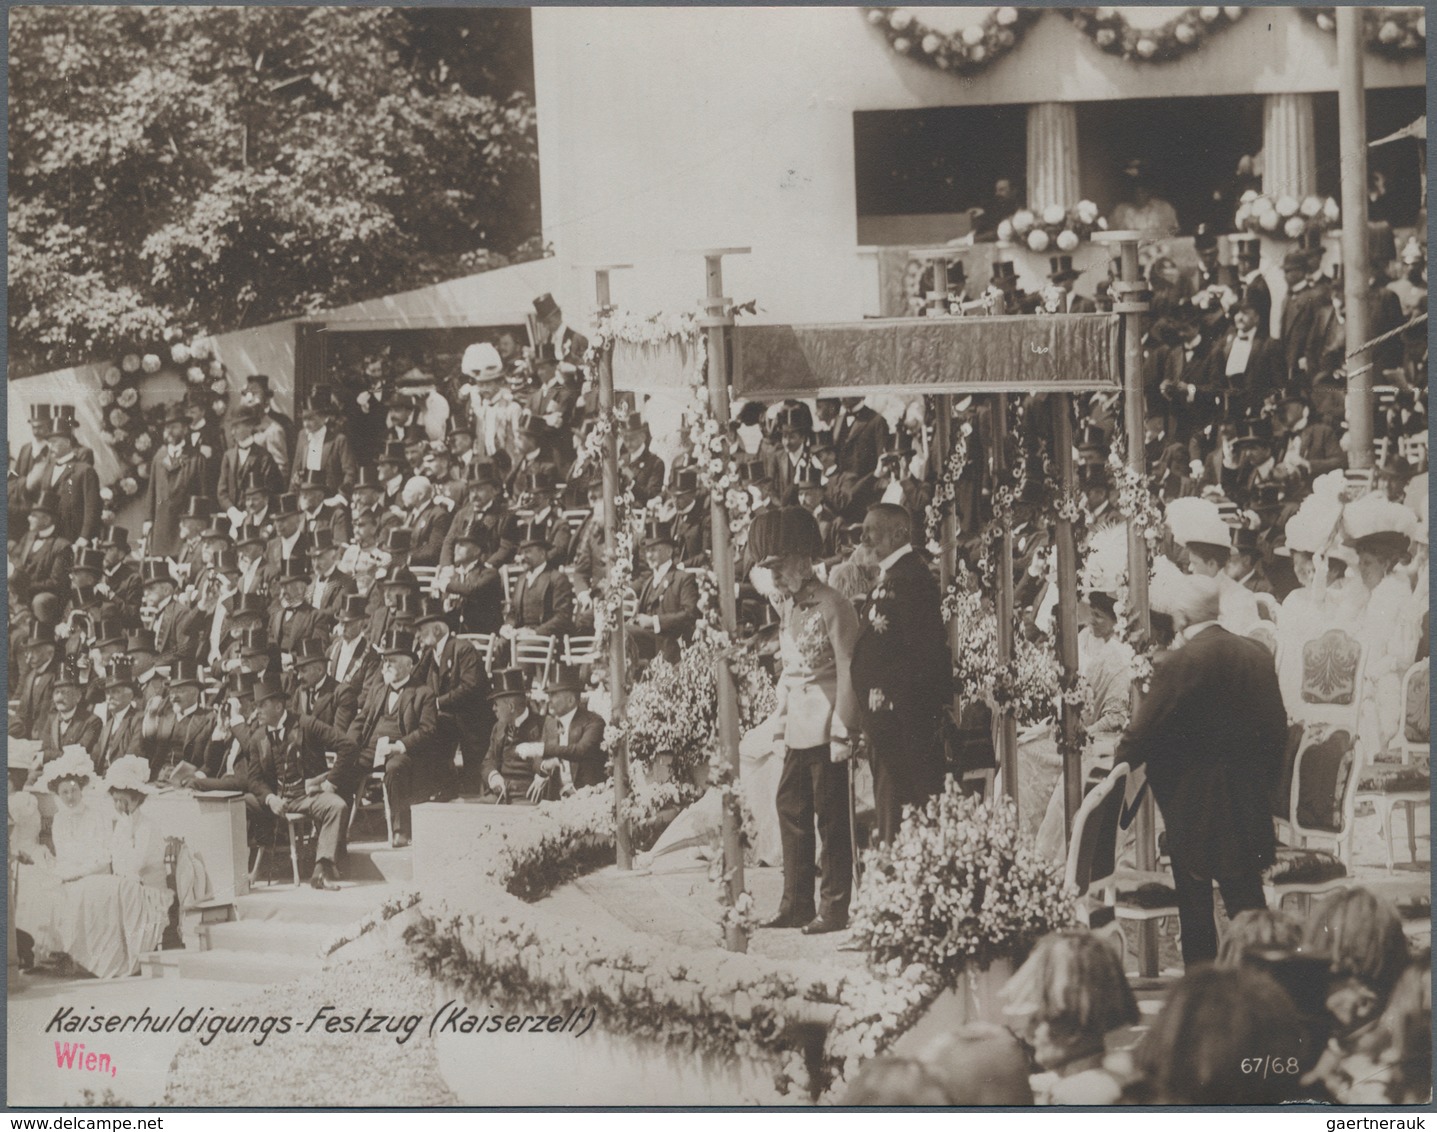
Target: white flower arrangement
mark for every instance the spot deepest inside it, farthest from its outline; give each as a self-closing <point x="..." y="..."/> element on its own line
<point x="129" y="485"/>
<point x="128" y="398"/>
<point x="144" y="442"/>
<point x="959" y="887"/>
<point x="1065" y="227"/>
<point x="150" y="363"/>
<point x="180" y="354"/>
<point x="106" y="398"/>
<point x="130" y="363"/>
<point x="1262" y="213"/>
<point x="195" y="375"/>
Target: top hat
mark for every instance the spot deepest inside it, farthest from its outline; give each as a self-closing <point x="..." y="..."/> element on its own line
<point x="254" y="642"/>
<point x="458" y="425"/>
<point x="415" y="434"/>
<point x="47" y="500"/>
<point x="40" y="419"/>
<point x="354" y="607"/>
<point x="111" y="535"/>
<point x="295" y="569"/>
<point x="658" y="532"/>
<point x="320" y="540"/>
<point x="396" y="642"/>
<point x="753" y="469"/>
<point x="509" y="682"/>
<point x="91" y="559"/>
<point x="430" y="609"/>
<point x="1204" y="239"/>
<point x="1093" y="477"/>
<point x="476" y="532"/>
<point x="253" y="480"/>
<point x="537" y="429"/>
<point x="898" y="446"/>
<point x="226" y="561"/>
<point x="141" y="641"/>
<point x="1246" y="245"/>
<point x="532" y="533"/>
<point x="40" y="635"/>
<point x="685" y="480"/>
<point x="794" y="417"/>
<point x="1061" y="267"/>
<point x="175" y="413"/>
<point x="109" y="632"/>
<point x="565" y="678"/>
<point x="809" y="475"/>
<point x="186" y="670"/>
<point x="1295" y="261"/>
<point x="546" y="354"/>
<point x="72" y="675"/>
<point x="1004" y="271"/>
<point x="541" y="478"/>
<point x="1090" y="436"/>
<point x="244" y="415"/>
<point x="250" y="534"/>
<point x="483" y="472"/>
<point x="308" y="649"/>
<point x="199" y="507"/>
<point x="153" y="571"/>
<point x="544" y="305"/>
<point x="403" y="577"/>
<point x="311" y="478"/>
<point x="318" y="401"/>
<point x="287" y="505"/>
<point x="243" y="684"/>
<point x="635" y="422"/>
<point x="1267" y="496"/>
<point x="120" y="673"/>
<point x="1227" y="276"/>
<point x="785" y="532"/>
<point x="398" y="540"/>
<point x="1253" y="430"/>
<point x="1245" y="541"/>
<point x="62" y="421"/>
<point x="368" y="477"/>
<point x="392" y="453"/>
<point x="218" y="527"/>
<point x="269" y="687"/>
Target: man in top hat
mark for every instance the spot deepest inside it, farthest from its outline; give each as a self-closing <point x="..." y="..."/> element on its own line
<point x="34" y="702"/>
<point x="218" y="576"/>
<point x="537" y="497"/>
<point x="330" y="585"/>
<point x="455" y="674"/>
<point x="569" y="345"/>
<point x="555" y="400"/>
<point x="901" y="671"/>
<point x="194" y="520"/>
<point x="321" y="447"/>
<point x="860" y="437"/>
<point x="120" y="581"/>
<point x="1063" y="275"/>
<point x="246" y="461"/>
<point x="1096" y="484"/>
<point x="317" y="512"/>
<point x="1244" y="368"/>
<point x="691" y="520"/>
<point x="41" y="561"/>
<point x="509" y="773"/>
<point x="184" y="734"/>
<point x="1244" y="564"/>
<point x="640" y="468"/>
<point x="811" y="497"/>
<point x="352" y="659"/>
<point x="276" y="429"/>
<point x="367" y="498"/>
<point x="33" y="453"/>
<point x="1299" y="310"/>
<point x="544" y="600"/>
<point x="1252" y="287"/>
<point x="257" y="576"/>
<point x="290" y="539"/>
<point x="427" y="519"/>
<point x="396" y="729"/>
<point x="176" y="474"/>
<point x="317" y="694"/>
<point x="1254" y="447"/>
<point x="231" y="617"/>
<point x="177" y="627"/>
<point x="296" y="619"/>
<point x="1184" y="389"/>
<point x="397" y="580"/>
<point x="289" y="773"/>
<point x="472" y="590"/>
<point x="256" y="507"/>
<point x="73" y="479"/>
<point x="573" y="745"/>
<point x="668" y="599"/>
<point x="795" y="429"/>
<point x="71" y="721"/>
<point x="392" y="464"/>
<point x="1308" y="445"/>
<point x="120" y="734"/>
<point x="484" y="504"/>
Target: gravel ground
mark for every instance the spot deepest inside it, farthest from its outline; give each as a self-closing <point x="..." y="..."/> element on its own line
<point x="319" y="1069"/>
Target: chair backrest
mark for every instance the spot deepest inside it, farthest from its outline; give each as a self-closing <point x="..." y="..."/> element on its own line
<point x="483" y="644"/>
<point x="1282" y="793"/>
<point x="1325" y="773"/>
<point x="1265" y="635"/>
<point x="1416" y="715"/>
<point x="424" y="575"/>
<point x="575" y="517"/>
<point x="511" y="572"/>
<point x="631" y="605"/>
<point x="531" y="649"/>
<point x="1331" y="679"/>
<point x="581" y="649"/>
<point x="1413" y="448"/>
<point x="1093" y="851"/>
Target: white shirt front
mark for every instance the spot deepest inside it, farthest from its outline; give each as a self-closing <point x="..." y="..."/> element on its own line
<point x="1237" y="357"/>
<point x="314" y="450"/>
<point x="345" y="660"/>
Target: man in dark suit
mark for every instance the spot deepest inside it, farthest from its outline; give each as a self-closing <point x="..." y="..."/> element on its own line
<point x="34" y="698"/>
<point x="185" y="729"/>
<point x="516" y="746"/>
<point x="1211" y="732"/>
<point x="1063" y="275"/>
<point x="427" y="519"/>
<point x="473" y="590"/>
<point x="668" y="600"/>
<point x="317" y="694"/>
<point x="638" y="467"/>
<point x="320" y="512"/>
<point x="544" y="600"/>
<point x="691" y="518"/>
<point x="569" y="345"/>
<point x="396" y="728"/>
<point x="289" y="773"/>
<point x="1305" y="297"/>
<point x="1184" y="390"/>
<point x="861" y="436"/>
<point x="71" y="723"/>
<point x="41" y="562"/>
<point x="246" y="461"/>
<point x="330" y="585"/>
<point x="74" y="481"/>
<point x="179" y="629"/>
<point x="1252" y="287"/>
<point x="485" y="505"/>
<point x="176" y="474"/>
<point x="1244" y="565"/>
<point x="1243" y="368"/>
<point x="296" y="620"/>
<point x="120" y="733"/>
<point x="455" y="674"/>
<point x="321" y="447"/>
<point x="1310" y="446"/>
<point x="573" y="735"/>
<point x="902" y="672"/>
<point x="352" y="659"/>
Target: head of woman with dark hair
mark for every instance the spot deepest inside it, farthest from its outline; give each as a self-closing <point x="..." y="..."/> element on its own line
<point x="1214" y="1026"/>
<point x="1266" y="929"/>
<point x="1361" y="934"/>
<point x="890" y="1081"/>
<point x="1404" y="1035"/>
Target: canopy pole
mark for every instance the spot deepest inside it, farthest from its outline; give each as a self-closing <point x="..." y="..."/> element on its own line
<point x="1067" y="547"/>
<point x="1352" y="140"/>
<point x="618" y="694"/>
<point x="1007" y="723"/>
<point x="715" y="323"/>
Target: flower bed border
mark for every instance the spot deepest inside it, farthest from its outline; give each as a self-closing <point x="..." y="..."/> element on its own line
<point x="717" y="1003"/>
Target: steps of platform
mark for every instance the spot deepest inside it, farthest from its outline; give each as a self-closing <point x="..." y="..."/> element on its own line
<point x="304" y="905"/>
<point x="244" y="966"/>
<point x="268" y="937"/>
<point x="367" y="861"/>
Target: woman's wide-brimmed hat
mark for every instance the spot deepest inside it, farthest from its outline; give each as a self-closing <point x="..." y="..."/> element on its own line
<point x="74" y="762"/>
<point x="131" y="773"/>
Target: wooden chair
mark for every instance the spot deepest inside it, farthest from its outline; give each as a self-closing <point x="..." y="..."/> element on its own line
<point x="361" y="804"/>
<point x="1092" y="866"/>
<point x="575" y="517"/>
<point x="1407" y="784"/>
<point x="1331" y="680"/>
<point x="532" y="651"/>
<point x="581" y="650"/>
<point x="1321" y="816"/>
<point x="300" y="833"/>
<point x="484" y="645"/>
<point x="425" y="576"/>
<point x="511" y="573"/>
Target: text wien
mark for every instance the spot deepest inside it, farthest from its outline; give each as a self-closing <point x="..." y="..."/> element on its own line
<point x="72" y="1056"/>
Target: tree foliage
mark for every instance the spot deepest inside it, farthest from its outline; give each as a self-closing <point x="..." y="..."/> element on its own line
<point x="213" y="168"/>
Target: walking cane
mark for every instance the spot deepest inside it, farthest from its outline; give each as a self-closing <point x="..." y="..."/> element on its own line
<point x="853" y="823"/>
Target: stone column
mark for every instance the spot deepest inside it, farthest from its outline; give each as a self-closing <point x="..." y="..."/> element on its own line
<point x="1289" y="148"/>
<point x="1052" y="154"/>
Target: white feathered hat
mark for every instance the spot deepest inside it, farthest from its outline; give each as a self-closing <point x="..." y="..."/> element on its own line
<point x="1310" y="528"/>
<point x="481" y="360"/>
<point x="129" y="773"/>
<point x="1192" y="520"/>
<point x="1376" y="523"/>
<point x="74" y="762"/>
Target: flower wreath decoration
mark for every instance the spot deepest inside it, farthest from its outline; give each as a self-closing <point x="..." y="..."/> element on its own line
<point x="1398" y="33"/>
<point x="1111" y="32"/>
<point x="965" y="52"/>
<point x="1268" y="215"/>
<point x="1054" y="226"/>
<point x="133" y="431"/>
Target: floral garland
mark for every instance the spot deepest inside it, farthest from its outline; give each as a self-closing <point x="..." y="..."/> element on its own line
<point x="966" y="52"/>
<point x="1136" y="504"/>
<point x="1055" y="225"/>
<point x="1398" y="33"/>
<point x="1266" y="215"/>
<point x="132" y="431"/>
<point x="946" y="493"/>
<point x="1111" y="32"/>
<point x="710" y="1003"/>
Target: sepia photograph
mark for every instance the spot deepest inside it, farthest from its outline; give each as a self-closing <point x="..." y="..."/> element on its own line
<point x="717" y="557"/>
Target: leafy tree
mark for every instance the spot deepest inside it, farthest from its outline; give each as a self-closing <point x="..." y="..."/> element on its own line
<point x="214" y="168"/>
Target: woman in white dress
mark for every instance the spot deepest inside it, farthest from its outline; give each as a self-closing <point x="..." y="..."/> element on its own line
<point x="110" y="919"/>
<point x="81" y="836"/>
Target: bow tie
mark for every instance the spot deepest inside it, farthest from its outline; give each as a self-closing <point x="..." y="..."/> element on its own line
<point x="1244" y="337"/>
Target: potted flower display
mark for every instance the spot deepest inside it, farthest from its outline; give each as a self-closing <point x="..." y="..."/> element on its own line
<point x="1052" y="227"/>
<point x="1269" y="215"/>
